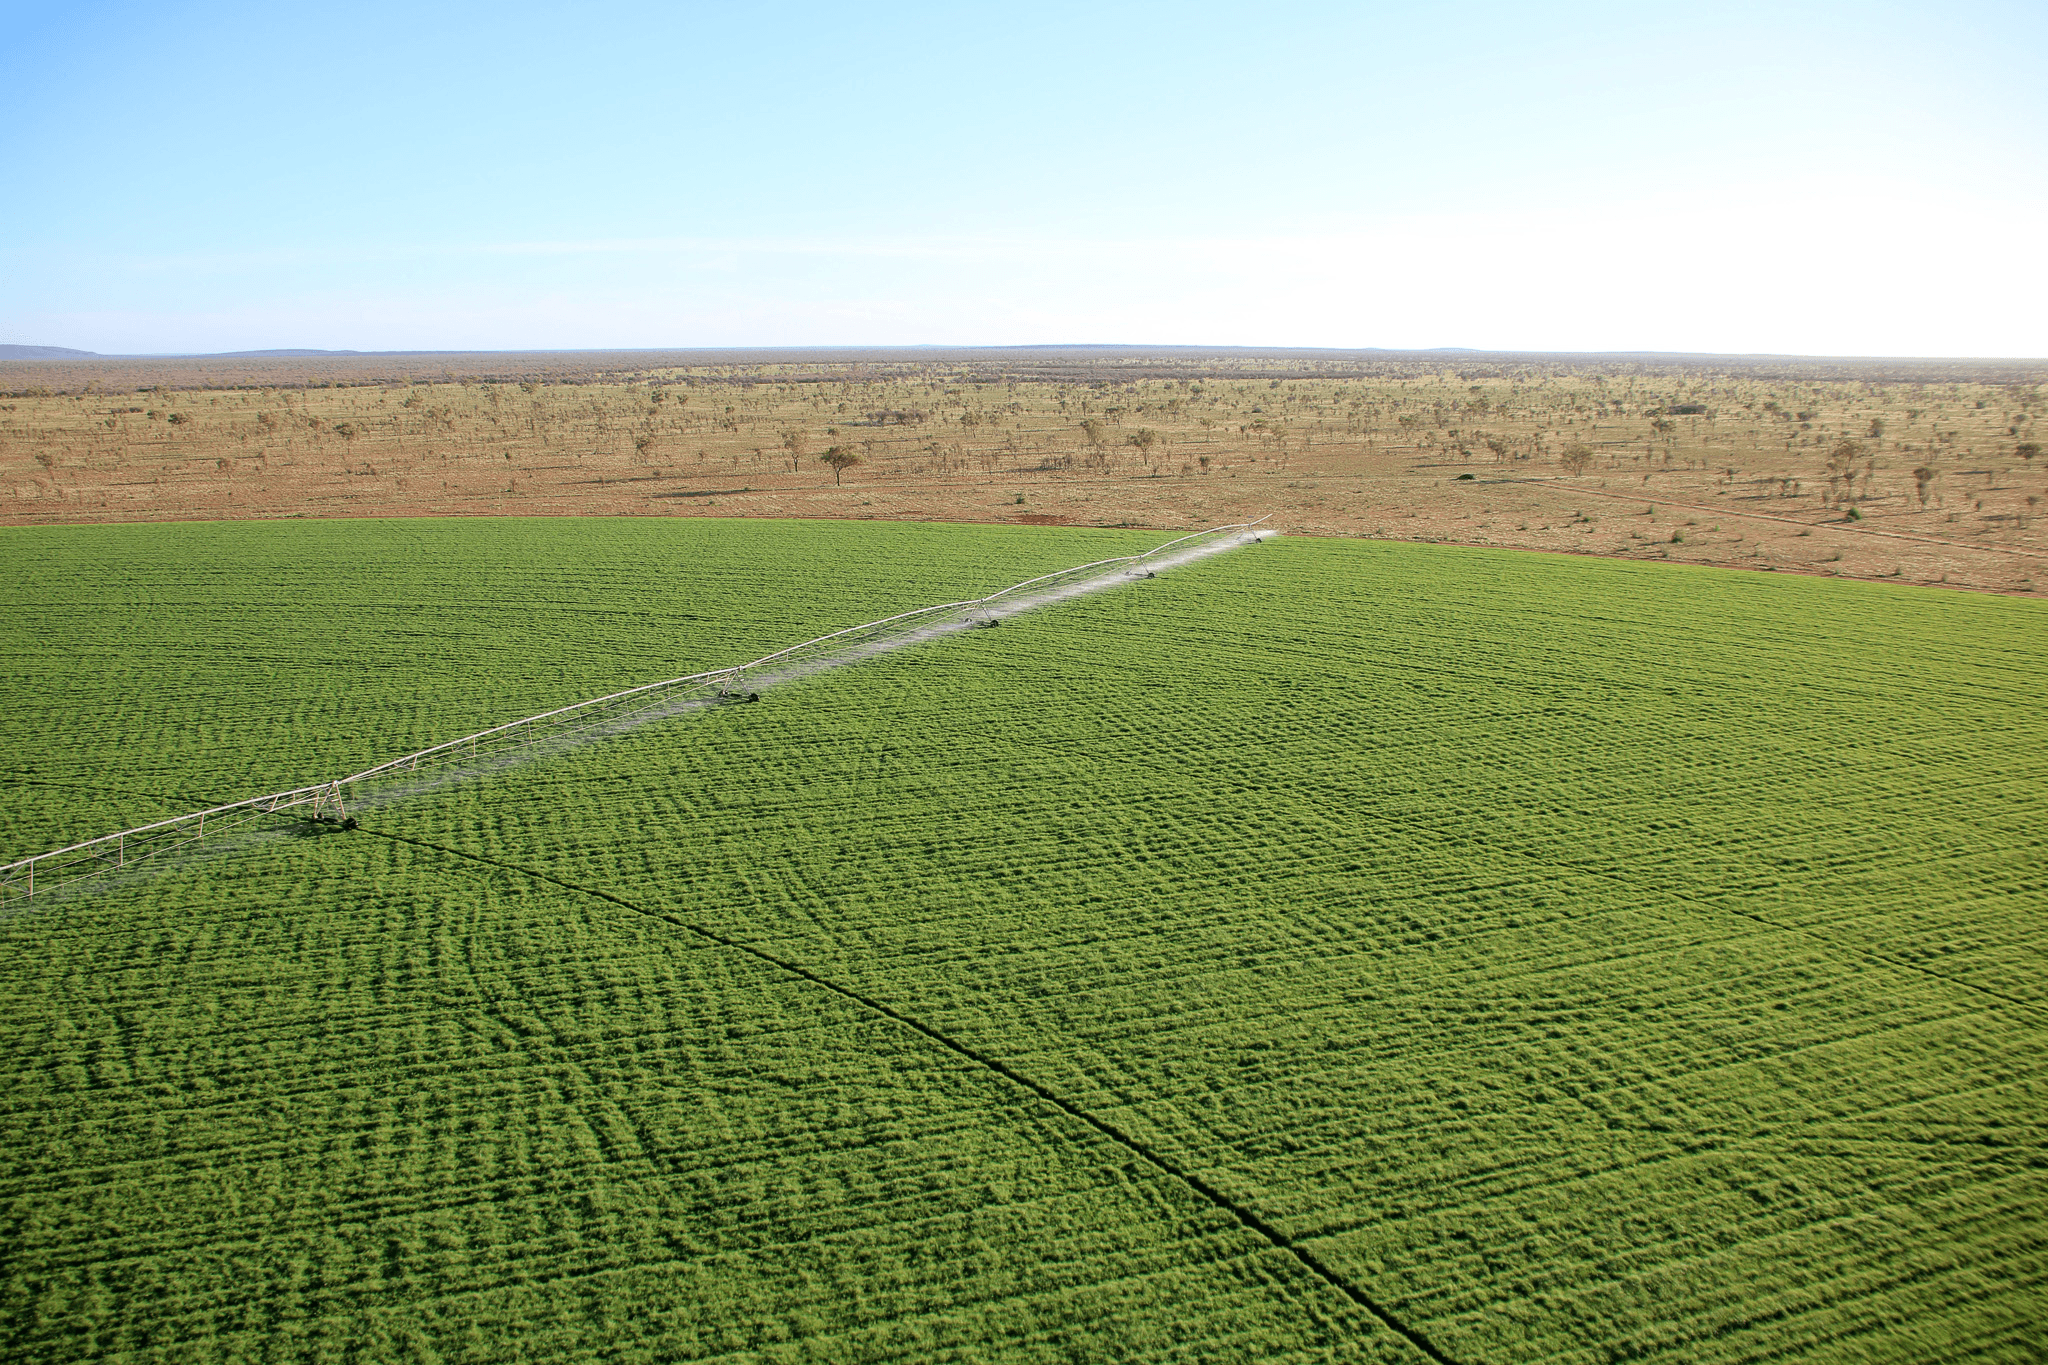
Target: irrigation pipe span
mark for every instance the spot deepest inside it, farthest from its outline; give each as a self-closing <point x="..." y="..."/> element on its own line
<point x="327" y="802"/>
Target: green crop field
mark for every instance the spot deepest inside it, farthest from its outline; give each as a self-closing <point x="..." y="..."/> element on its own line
<point x="1329" y="950"/>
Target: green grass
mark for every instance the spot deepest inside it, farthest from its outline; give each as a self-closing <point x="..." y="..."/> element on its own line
<point x="1582" y="960"/>
<point x="153" y="670"/>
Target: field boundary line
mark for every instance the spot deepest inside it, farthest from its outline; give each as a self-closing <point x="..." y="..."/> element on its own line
<point x="1246" y="1216"/>
<point x="610" y="713"/>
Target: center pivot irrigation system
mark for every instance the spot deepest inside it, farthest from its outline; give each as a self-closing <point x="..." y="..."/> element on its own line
<point x="326" y="804"/>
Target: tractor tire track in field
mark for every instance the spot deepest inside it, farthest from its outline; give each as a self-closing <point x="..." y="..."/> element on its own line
<point x="26" y="777"/>
<point x="1249" y="1218"/>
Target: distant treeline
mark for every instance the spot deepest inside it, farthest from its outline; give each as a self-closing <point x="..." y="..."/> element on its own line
<point x="968" y="365"/>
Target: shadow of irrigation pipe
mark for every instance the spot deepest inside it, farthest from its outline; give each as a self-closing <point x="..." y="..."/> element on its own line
<point x="1244" y="1215"/>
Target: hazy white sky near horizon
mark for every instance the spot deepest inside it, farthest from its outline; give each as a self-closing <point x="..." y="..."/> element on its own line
<point x="1867" y="179"/>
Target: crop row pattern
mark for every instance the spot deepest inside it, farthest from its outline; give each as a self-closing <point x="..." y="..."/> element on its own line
<point x="1587" y="960"/>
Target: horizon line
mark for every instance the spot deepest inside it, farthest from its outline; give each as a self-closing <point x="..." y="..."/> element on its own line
<point x="72" y="354"/>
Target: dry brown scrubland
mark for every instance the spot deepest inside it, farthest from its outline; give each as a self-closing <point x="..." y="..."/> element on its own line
<point x="1925" y="472"/>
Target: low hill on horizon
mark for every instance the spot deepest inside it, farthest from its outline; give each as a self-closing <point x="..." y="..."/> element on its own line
<point x="13" y="352"/>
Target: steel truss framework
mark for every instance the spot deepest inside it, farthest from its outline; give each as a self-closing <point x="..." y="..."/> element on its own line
<point x="326" y="803"/>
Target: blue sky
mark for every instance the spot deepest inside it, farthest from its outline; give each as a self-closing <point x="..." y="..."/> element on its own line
<point x="1841" y="179"/>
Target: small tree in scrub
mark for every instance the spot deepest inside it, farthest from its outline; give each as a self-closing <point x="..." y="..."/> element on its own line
<point x="1841" y="468"/>
<point x="796" y="443"/>
<point x="841" y="458"/>
<point x="1576" y="457"/>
